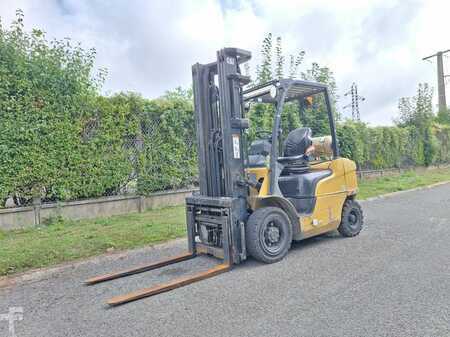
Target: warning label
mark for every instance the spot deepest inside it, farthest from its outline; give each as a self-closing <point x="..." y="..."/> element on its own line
<point x="236" y="147"/>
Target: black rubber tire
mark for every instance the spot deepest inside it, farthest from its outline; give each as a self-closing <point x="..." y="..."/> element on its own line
<point x="352" y="219"/>
<point x="256" y="230"/>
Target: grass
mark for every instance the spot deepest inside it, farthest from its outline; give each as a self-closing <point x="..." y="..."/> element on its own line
<point x="65" y="240"/>
<point x="405" y="181"/>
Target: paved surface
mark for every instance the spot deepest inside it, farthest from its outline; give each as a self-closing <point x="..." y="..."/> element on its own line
<point x="391" y="280"/>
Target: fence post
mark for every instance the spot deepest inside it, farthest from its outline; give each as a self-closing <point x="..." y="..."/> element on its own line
<point x="141" y="204"/>
<point x="37" y="202"/>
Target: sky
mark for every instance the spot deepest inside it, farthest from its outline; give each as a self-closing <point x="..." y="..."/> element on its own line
<point x="149" y="46"/>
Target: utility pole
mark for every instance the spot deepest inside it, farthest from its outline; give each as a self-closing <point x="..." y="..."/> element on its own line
<point x="441" y="78"/>
<point x="355" y="102"/>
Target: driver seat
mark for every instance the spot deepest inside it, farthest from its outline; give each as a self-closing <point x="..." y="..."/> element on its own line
<point x="259" y="152"/>
<point x="297" y="182"/>
<point x="295" y="145"/>
<point x="297" y="142"/>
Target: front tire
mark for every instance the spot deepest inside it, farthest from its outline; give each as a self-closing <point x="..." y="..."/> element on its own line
<point x="352" y="219"/>
<point x="268" y="234"/>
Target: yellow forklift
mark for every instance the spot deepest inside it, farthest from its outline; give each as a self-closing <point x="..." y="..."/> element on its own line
<point x="255" y="200"/>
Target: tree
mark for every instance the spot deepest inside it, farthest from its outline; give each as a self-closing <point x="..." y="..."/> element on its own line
<point x="316" y="116"/>
<point x="273" y="67"/>
<point x="417" y="113"/>
<point x="443" y="117"/>
<point x="59" y="139"/>
<point x="264" y="71"/>
<point x="294" y="63"/>
<point x="269" y="70"/>
<point x="279" y="58"/>
<point x="417" y="110"/>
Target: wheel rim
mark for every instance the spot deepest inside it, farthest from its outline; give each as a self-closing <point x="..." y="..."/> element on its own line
<point x="272" y="237"/>
<point x="353" y="219"/>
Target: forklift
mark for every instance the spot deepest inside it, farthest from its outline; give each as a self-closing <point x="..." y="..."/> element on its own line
<point x="256" y="200"/>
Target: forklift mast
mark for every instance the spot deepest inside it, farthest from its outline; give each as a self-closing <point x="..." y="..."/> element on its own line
<point x="220" y="124"/>
<point x="218" y="213"/>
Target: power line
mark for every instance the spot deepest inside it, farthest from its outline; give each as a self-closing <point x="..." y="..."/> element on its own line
<point x="441" y="78"/>
<point x="355" y="102"/>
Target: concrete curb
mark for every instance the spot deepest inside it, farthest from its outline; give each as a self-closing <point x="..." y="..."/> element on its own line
<point x="31" y="216"/>
<point x="40" y="274"/>
<point x="36" y="275"/>
<point x="392" y="194"/>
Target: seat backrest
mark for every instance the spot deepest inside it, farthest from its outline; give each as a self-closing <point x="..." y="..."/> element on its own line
<point x="258" y="152"/>
<point x="297" y="142"/>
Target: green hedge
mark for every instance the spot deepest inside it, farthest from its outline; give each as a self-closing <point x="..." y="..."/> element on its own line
<point x="442" y="143"/>
<point x="62" y="140"/>
<point x="59" y="138"/>
<point x="168" y="158"/>
<point x="386" y="147"/>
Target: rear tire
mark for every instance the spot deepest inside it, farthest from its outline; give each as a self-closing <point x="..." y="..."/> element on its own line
<point x="268" y="234"/>
<point x="352" y="219"/>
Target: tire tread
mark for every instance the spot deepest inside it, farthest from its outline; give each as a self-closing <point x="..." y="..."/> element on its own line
<point x="343" y="229"/>
<point x="252" y="234"/>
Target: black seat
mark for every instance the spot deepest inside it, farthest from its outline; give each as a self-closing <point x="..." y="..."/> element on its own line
<point x="295" y="146"/>
<point x="297" y="182"/>
<point x="297" y="142"/>
<point x="258" y="152"/>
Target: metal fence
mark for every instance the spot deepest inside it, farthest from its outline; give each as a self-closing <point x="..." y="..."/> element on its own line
<point x="159" y="157"/>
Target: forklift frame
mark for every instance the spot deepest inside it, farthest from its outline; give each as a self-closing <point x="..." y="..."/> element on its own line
<point x="216" y="216"/>
<point x="221" y="206"/>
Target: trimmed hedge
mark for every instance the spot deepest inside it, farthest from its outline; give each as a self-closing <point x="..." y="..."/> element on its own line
<point x="58" y="138"/>
<point x="391" y="146"/>
<point x="61" y="140"/>
<point x="168" y="158"/>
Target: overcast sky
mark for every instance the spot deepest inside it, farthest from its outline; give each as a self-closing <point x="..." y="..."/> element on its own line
<point x="149" y="45"/>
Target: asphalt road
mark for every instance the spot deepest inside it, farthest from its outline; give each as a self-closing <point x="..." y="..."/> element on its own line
<point x="391" y="280"/>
